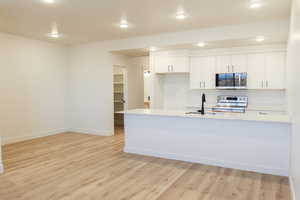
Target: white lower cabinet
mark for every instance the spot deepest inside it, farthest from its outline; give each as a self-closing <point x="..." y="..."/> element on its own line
<point x="202" y="72"/>
<point x="266" y="71"/>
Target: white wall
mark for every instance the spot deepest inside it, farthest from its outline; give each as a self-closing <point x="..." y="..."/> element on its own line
<point x="294" y="94"/>
<point x="136" y="81"/>
<point x="33" y="87"/>
<point x="90" y="90"/>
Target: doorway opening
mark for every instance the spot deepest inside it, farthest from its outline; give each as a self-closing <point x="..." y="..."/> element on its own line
<point x="131" y="72"/>
<point x="120" y="96"/>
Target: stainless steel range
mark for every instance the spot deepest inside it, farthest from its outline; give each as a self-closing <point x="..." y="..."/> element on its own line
<point x="236" y="104"/>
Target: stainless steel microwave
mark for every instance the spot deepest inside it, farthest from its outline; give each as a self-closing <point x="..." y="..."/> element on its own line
<point x="231" y="81"/>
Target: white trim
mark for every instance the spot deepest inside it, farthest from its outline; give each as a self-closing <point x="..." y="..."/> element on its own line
<point x="292" y="186"/>
<point x="1" y="167"/>
<point x="9" y="140"/>
<point x="239" y="50"/>
<point x="208" y="161"/>
<point x="91" y="131"/>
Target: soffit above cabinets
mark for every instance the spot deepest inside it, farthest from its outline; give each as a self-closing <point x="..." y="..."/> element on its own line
<point x="212" y="47"/>
<point x="223" y="51"/>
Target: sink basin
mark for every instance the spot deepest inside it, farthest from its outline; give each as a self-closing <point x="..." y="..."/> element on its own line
<point x="199" y="113"/>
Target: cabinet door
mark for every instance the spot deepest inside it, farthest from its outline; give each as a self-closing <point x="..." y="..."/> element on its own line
<point x="195" y="73"/>
<point x="208" y="73"/>
<point x="161" y="64"/>
<point x="256" y="71"/>
<point x="223" y="64"/>
<point x="202" y="73"/>
<point x="179" y="64"/>
<point x="275" y="70"/>
<point x="238" y="63"/>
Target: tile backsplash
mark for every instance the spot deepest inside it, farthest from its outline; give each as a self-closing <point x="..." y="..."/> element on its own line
<point x="177" y="95"/>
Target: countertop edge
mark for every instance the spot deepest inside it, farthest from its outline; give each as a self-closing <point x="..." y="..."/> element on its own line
<point x="218" y="117"/>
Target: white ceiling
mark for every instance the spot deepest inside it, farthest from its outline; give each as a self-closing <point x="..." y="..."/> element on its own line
<point x="83" y="21"/>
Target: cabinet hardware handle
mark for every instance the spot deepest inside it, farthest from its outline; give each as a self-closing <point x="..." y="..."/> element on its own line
<point x="262" y="84"/>
<point x="204" y="83"/>
<point x="232" y="68"/>
<point x="168" y="68"/>
<point x="267" y="84"/>
<point x="200" y="84"/>
<point x="228" y="68"/>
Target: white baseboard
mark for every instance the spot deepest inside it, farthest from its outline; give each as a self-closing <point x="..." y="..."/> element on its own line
<point x="1" y="167"/>
<point x="9" y="140"/>
<point x="208" y="161"/>
<point x="292" y="186"/>
<point x="91" y="131"/>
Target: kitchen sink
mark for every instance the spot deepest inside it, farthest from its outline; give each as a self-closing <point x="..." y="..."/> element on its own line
<point x="199" y="113"/>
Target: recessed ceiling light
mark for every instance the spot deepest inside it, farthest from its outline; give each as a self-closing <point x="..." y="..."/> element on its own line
<point x="124" y="24"/>
<point x="48" y="1"/>
<point x="54" y="31"/>
<point x="153" y="49"/>
<point x="201" y="44"/>
<point x="255" y="4"/>
<point x="180" y="15"/>
<point x="260" y="38"/>
<point x="54" y="35"/>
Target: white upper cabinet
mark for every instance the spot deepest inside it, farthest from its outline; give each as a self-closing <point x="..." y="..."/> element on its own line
<point x="256" y="71"/>
<point x="239" y="63"/>
<point x="231" y="63"/>
<point x="179" y="64"/>
<point x="223" y="64"/>
<point x="275" y="70"/>
<point x="202" y="72"/>
<point x="266" y="70"/>
<point x="161" y="64"/>
<point x="171" y="64"/>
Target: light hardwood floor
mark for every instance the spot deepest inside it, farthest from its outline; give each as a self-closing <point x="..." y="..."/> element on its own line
<point x="75" y="166"/>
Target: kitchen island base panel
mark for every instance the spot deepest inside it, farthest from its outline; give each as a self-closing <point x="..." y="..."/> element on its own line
<point x="246" y="145"/>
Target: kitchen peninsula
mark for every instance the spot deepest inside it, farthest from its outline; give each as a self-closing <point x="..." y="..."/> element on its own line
<point x="246" y="141"/>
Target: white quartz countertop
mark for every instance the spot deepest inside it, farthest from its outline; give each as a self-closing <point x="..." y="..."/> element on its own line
<point x="248" y="116"/>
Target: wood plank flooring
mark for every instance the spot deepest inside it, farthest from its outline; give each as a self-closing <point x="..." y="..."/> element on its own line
<point x="73" y="166"/>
